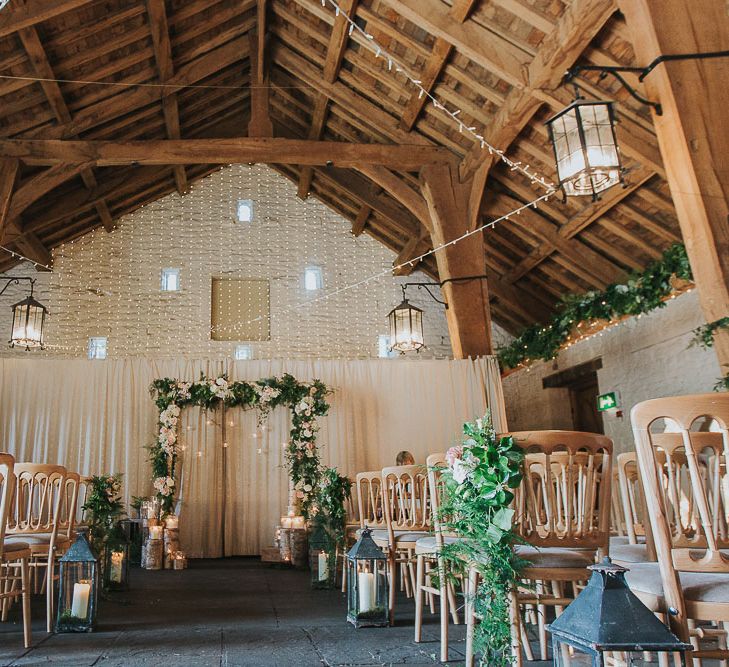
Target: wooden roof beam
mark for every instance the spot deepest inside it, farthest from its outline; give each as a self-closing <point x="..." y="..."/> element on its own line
<point x="42" y="67"/>
<point x="260" y="124"/>
<point x="23" y="15"/>
<point x="580" y="221"/>
<point x="157" y="15"/>
<point x="130" y="101"/>
<point x="8" y="176"/>
<point x="360" y="222"/>
<point x="433" y="67"/>
<point x="335" y="53"/>
<point x="481" y="45"/>
<point x="225" y="151"/>
<point x="577" y="27"/>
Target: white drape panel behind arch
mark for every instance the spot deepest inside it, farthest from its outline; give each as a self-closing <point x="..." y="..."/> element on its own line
<point x="98" y="417"/>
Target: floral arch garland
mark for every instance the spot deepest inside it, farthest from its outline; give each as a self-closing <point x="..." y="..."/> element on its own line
<point x="306" y="401"/>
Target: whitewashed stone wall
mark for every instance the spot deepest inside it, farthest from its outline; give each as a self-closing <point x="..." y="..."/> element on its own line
<point x="109" y="284"/>
<point x="642" y="358"/>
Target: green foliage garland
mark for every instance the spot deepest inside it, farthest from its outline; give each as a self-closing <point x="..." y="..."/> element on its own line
<point x="329" y="513"/>
<point x="641" y="293"/>
<point x="307" y="401"/>
<point x="104" y="509"/>
<point x="476" y="505"/>
<point x="704" y="337"/>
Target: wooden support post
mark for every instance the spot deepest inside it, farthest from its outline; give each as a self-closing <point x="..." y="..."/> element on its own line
<point x="468" y="314"/>
<point x="260" y="124"/>
<point x="8" y="174"/>
<point x="692" y="133"/>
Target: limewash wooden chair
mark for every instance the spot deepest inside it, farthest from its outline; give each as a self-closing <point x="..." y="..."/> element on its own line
<point x="14" y="556"/>
<point x="684" y="476"/>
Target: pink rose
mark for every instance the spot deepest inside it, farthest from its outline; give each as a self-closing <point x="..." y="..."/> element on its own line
<point x="454" y="454"/>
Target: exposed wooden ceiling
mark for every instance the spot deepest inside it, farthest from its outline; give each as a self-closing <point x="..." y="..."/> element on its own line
<point x="290" y="68"/>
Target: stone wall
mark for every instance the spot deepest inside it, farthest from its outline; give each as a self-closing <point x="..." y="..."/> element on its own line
<point x="642" y="358"/>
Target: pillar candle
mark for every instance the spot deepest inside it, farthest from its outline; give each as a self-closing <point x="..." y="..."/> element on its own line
<point x="155" y="532"/>
<point x="115" y="572"/>
<point x="80" y="604"/>
<point x="171" y="522"/>
<point x="366" y="590"/>
<point x="323" y="566"/>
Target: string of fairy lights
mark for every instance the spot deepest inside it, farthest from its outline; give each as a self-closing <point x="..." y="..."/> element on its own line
<point x="125" y="270"/>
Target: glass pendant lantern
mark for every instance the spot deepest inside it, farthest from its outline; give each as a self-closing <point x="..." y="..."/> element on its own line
<point x="406" y="328"/>
<point x="585" y="148"/>
<point x="28" y="319"/>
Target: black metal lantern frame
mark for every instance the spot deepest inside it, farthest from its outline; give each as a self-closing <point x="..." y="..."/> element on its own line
<point x="606" y="617"/>
<point x="29" y="316"/>
<point x="78" y="588"/>
<point x="367" y="584"/>
<point x="586" y="148"/>
<point x="322" y="557"/>
<point x="406" y="321"/>
<point x="116" y="567"/>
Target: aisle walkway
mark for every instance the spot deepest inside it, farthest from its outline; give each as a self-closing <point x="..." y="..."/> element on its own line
<point x="226" y="613"/>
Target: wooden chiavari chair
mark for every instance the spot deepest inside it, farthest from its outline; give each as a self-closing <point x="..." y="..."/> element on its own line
<point x="39" y="490"/>
<point x="428" y="550"/>
<point x="407" y="516"/>
<point x="13" y="555"/>
<point x="684" y="476"/>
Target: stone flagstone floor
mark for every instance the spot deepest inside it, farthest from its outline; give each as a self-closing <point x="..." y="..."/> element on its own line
<point x="226" y="613"/>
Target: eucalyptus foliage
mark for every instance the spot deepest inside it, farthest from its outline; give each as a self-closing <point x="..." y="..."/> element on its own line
<point x="104" y="509"/>
<point x="479" y="485"/>
<point x="641" y="293"/>
<point x="329" y="512"/>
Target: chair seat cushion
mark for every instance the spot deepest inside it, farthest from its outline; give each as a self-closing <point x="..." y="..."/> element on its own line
<point x="619" y="540"/>
<point x="33" y="539"/>
<point x="554" y="556"/>
<point x="629" y="553"/>
<point x="12" y="549"/>
<point x="401" y="536"/>
<point x="427" y="545"/>
<point x="697" y="586"/>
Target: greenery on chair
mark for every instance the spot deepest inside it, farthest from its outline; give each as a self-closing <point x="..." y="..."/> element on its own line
<point x="329" y="515"/>
<point x="476" y="505"/>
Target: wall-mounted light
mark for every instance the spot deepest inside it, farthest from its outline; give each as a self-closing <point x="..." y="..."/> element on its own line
<point x="583" y="134"/>
<point x="28" y="317"/>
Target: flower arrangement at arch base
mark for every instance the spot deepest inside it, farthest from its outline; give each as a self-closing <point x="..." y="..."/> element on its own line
<point x="307" y="401"/>
<point x="479" y="483"/>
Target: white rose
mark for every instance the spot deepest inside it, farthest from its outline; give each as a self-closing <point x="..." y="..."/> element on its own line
<point x="461" y="471"/>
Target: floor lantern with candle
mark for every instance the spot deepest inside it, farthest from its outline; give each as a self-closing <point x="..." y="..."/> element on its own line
<point x="78" y="586"/>
<point x="322" y="557"/>
<point x="367" y="584"/>
<point x="116" y="566"/>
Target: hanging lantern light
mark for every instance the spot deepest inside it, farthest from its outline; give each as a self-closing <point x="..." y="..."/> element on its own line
<point x="406" y="327"/>
<point x="586" y="148"/>
<point x="29" y="316"/>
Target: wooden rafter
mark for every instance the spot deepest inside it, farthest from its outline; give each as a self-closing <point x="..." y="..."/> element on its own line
<point x="42" y="68"/>
<point x="157" y="14"/>
<point x="260" y="124"/>
<point x="335" y="53"/>
<point x="18" y="15"/>
<point x="434" y="66"/>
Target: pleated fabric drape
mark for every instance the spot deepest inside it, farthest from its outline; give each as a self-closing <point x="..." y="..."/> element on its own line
<point x="96" y="417"/>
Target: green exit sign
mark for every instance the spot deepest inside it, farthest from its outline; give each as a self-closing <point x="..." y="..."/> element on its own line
<point x="607" y="401"/>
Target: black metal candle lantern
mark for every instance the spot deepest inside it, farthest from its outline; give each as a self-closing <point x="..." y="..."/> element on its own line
<point x="367" y="583"/>
<point x="116" y="567"/>
<point x="585" y="148"/>
<point x="78" y="585"/>
<point x="607" y="617"/>
<point x="322" y="558"/>
<point x="29" y="316"/>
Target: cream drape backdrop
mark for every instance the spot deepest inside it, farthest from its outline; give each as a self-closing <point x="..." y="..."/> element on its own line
<point x="98" y="417"/>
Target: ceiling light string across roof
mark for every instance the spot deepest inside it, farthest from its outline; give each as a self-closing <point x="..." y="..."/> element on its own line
<point x="393" y="63"/>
